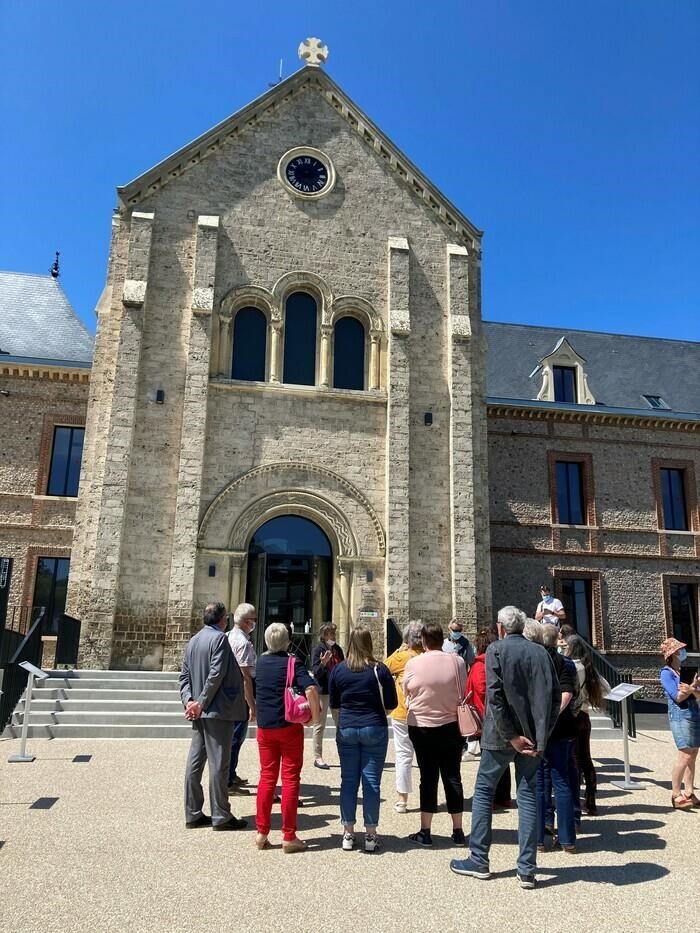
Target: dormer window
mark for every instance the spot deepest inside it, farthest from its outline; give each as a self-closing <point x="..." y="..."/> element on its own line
<point x="563" y="377"/>
<point x="564" y="384"/>
<point x="655" y="401"/>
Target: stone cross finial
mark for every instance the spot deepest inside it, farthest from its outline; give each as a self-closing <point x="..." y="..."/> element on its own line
<point x="313" y="52"/>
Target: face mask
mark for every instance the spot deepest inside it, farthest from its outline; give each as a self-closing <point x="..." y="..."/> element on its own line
<point x="252" y="628"/>
<point x="560" y="650"/>
<point x="682" y="655"/>
<point x="329" y="643"/>
<point x="455" y="636"/>
<point x="547" y="598"/>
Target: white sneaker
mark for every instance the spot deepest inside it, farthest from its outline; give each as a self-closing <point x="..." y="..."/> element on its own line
<point x="371" y="842"/>
<point x="348" y="842"/>
<point x="401" y="807"/>
<point x="467" y="756"/>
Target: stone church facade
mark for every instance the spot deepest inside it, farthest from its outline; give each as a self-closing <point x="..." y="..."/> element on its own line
<point x="173" y="492"/>
<point x="291" y="329"/>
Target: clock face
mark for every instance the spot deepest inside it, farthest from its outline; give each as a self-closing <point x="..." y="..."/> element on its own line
<point x="306" y="174"/>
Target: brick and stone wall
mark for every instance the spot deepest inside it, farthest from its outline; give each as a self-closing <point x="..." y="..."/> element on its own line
<point x="32" y="524"/>
<point x="628" y="556"/>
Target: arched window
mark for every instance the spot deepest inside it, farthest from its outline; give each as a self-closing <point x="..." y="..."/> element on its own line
<point x="249" y="340"/>
<point x="349" y="354"/>
<point x="300" y="327"/>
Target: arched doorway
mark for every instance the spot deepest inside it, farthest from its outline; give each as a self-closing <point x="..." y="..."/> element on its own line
<point x="290" y="579"/>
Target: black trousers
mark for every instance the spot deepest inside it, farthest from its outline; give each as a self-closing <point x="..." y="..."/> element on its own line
<point x="582" y="752"/>
<point x="439" y="755"/>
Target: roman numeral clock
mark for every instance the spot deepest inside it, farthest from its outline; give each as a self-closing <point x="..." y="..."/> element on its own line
<point x="306" y="172"/>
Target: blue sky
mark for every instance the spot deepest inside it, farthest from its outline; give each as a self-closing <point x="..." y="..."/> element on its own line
<point x="569" y="132"/>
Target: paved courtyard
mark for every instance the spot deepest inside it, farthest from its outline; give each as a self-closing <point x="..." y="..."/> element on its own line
<point x="112" y="854"/>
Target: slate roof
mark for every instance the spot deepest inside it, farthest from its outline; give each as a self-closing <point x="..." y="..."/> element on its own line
<point x="620" y="369"/>
<point x="37" y="320"/>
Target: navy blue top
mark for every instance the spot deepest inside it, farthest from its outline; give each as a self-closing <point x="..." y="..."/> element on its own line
<point x="271" y="678"/>
<point x="356" y="695"/>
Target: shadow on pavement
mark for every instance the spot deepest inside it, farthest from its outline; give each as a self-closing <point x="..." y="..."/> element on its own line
<point x="617" y="875"/>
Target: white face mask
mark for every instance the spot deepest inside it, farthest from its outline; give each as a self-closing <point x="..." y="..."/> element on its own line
<point x="329" y="642"/>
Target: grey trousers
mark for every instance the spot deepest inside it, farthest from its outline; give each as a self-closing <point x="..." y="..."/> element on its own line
<point x="211" y="742"/>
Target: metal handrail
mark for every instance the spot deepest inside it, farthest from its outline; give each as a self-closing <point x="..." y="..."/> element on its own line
<point x="603" y="667"/>
<point x="14" y="677"/>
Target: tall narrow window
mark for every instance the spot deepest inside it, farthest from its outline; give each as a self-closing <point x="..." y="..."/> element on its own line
<point x="673" y="497"/>
<point x="50" y="590"/>
<point x="571" y="505"/>
<point x="576" y="597"/>
<point x="300" y="327"/>
<point x="249" y="344"/>
<point x="684" y="613"/>
<point x="349" y="354"/>
<point x="564" y="384"/>
<point x="66" y="455"/>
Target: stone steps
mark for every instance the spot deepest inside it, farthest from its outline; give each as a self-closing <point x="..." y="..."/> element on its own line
<point x="82" y="704"/>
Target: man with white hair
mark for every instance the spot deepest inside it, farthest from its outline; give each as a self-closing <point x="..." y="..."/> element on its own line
<point x="243" y="624"/>
<point x="523" y="698"/>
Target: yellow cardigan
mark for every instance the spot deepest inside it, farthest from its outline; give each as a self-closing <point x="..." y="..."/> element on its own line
<point x="396" y="663"/>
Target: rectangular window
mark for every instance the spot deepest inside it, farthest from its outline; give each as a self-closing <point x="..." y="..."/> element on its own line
<point x="564" y="384"/>
<point x="673" y="498"/>
<point x="684" y="613"/>
<point x="571" y="505"/>
<point x="50" y="590"/>
<point x="66" y="455"/>
<point x="576" y="595"/>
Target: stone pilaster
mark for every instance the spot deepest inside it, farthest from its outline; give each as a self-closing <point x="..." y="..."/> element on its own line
<point x="397" y="433"/>
<point x="194" y="424"/>
<point x="470" y="550"/>
<point x="117" y="417"/>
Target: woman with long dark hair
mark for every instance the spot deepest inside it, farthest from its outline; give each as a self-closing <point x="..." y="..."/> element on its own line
<point x="363" y="690"/>
<point x="592" y="689"/>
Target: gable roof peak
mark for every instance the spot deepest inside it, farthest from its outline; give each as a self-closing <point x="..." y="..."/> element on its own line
<point x="308" y="78"/>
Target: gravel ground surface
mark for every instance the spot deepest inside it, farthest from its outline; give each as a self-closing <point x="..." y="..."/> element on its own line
<point x="112" y="854"/>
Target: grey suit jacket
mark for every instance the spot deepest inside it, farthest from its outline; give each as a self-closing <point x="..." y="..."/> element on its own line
<point x="522" y="694"/>
<point x="211" y="675"/>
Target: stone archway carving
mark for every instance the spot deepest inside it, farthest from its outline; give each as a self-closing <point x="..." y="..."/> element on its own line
<point x="294" y="502"/>
<point x="279" y="477"/>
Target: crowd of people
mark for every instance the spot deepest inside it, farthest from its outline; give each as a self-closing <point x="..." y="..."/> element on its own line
<point x="529" y="685"/>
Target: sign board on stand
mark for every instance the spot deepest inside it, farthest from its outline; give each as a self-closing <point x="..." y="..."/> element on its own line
<point x="620" y="694"/>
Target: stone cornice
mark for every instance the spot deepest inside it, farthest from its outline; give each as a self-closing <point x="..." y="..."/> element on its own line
<point x="133" y="193"/>
<point x="52" y="370"/>
<point x="545" y="411"/>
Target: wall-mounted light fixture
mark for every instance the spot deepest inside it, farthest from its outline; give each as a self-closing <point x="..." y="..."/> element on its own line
<point x="212" y="570"/>
<point x="160" y="396"/>
<point x="428" y="418"/>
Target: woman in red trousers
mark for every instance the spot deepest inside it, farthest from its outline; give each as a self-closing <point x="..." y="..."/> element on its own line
<point x="280" y="743"/>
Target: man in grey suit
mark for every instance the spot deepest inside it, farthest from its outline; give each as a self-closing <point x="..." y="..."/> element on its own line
<point x="211" y="687"/>
<point x="522" y="705"/>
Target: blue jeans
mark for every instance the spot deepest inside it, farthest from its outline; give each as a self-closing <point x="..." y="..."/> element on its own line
<point x="362" y="755"/>
<point x="240" y="730"/>
<point x="557" y="755"/>
<point x="491" y="767"/>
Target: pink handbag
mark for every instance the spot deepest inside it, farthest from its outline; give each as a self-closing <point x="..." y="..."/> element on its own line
<point x="468" y="718"/>
<point x="296" y="706"/>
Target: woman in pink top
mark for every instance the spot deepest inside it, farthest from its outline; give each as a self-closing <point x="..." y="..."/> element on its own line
<point x="433" y="686"/>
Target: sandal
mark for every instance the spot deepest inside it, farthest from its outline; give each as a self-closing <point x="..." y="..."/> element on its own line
<point x="693" y="799"/>
<point x="681" y="802"/>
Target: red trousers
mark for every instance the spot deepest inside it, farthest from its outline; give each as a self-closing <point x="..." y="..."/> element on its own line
<point x="286" y="747"/>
